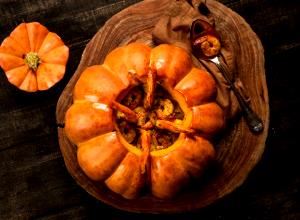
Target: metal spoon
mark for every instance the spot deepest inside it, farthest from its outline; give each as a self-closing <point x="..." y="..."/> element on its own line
<point x="202" y="29"/>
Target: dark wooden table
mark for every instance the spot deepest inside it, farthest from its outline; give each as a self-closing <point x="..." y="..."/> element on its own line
<point x="34" y="183"/>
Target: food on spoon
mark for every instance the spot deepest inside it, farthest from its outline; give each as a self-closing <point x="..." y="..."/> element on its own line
<point x="33" y="58"/>
<point x="154" y="131"/>
<point x="205" y="40"/>
<point x="210" y="45"/>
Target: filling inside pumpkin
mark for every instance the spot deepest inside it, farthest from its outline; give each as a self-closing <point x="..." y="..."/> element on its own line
<point x="163" y="119"/>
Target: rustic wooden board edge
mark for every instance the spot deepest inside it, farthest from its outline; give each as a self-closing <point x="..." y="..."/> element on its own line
<point x="258" y="90"/>
<point x="65" y="101"/>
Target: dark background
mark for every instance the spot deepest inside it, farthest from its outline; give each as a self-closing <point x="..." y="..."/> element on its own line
<point x="34" y="182"/>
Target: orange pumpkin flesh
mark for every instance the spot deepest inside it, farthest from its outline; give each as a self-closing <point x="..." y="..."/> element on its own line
<point x="33" y="58"/>
<point x="129" y="161"/>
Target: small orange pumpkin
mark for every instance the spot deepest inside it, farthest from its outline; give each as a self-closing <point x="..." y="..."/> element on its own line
<point x="33" y="58"/>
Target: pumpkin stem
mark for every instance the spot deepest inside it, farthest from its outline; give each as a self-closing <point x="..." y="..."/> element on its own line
<point x="32" y="60"/>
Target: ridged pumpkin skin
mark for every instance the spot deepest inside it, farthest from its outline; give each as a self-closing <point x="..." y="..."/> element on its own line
<point x="102" y="152"/>
<point x="48" y="52"/>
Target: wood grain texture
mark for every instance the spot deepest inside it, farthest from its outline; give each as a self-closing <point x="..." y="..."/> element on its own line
<point x="238" y="150"/>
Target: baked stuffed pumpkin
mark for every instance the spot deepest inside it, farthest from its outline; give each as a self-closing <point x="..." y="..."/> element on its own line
<point x="144" y="118"/>
<point x="33" y="58"/>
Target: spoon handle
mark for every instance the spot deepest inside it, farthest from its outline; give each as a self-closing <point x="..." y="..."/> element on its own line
<point x="254" y="122"/>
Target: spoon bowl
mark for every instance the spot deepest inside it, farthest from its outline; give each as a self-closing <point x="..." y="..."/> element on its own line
<point x="205" y="42"/>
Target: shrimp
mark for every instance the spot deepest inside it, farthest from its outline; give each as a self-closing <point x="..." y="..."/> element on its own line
<point x="210" y="45"/>
<point x="150" y="121"/>
<point x="173" y="126"/>
<point x="165" y="108"/>
<point x="150" y="89"/>
<point x="146" y="145"/>
<point x="125" y="112"/>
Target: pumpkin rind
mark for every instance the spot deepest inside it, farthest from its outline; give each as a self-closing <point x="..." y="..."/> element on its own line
<point x="29" y="83"/>
<point x="9" y="62"/>
<point x="128" y="62"/>
<point x="127" y="180"/>
<point x="20" y="34"/>
<point x="87" y="87"/>
<point x="86" y="120"/>
<point x="171" y="63"/>
<point x="48" y="74"/>
<point x="95" y="158"/>
<point x="49" y="49"/>
<point x="198" y="87"/>
<point x="208" y="118"/>
<point x="166" y="171"/>
<point x="36" y="35"/>
<point x="171" y="172"/>
<point x="17" y="75"/>
<point x="13" y="47"/>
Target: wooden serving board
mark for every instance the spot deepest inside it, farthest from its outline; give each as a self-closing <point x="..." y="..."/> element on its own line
<point x="237" y="152"/>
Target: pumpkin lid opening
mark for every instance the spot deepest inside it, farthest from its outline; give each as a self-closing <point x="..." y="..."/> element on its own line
<point x="163" y="119"/>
